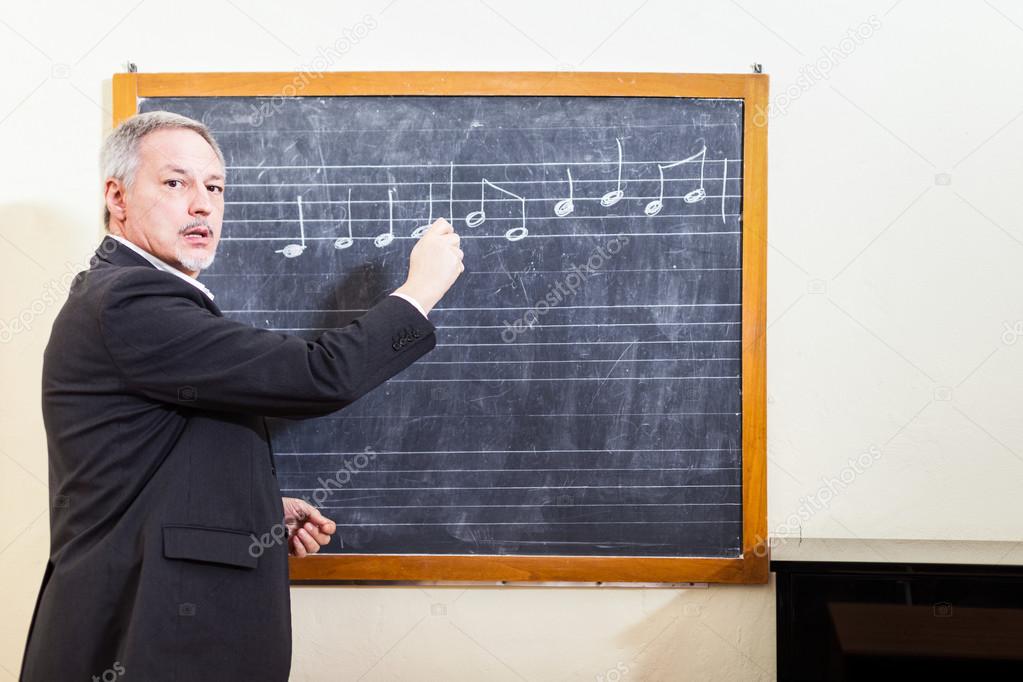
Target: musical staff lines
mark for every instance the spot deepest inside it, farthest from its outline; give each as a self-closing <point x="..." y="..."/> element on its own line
<point x="386" y="203"/>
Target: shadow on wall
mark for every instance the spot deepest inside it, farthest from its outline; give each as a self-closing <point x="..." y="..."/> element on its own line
<point x="42" y="250"/>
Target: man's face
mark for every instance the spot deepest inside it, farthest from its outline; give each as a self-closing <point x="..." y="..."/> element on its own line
<point x="174" y="209"/>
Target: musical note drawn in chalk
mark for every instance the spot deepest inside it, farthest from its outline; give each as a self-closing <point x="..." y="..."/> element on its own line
<point x="477" y="218"/>
<point x="345" y="242"/>
<point x="615" y="195"/>
<point x="418" y="232"/>
<point x="699" y="194"/>
<point x="566" y="206"/>
<point x="386" y="238"/>
<point x="292" y="250"/>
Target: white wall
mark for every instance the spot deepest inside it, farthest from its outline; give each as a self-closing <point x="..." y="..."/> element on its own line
<point x="895" y="232"/>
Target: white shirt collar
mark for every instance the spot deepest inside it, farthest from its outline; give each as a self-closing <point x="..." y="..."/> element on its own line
<point x="160" y="265"/>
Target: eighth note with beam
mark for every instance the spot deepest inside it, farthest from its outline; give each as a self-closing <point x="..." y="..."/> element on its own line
<point x="698" y="194"/>
<point x="477" y="218"/>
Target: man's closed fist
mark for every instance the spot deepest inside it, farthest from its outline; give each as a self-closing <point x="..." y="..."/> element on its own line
<point x="308" y="529"/>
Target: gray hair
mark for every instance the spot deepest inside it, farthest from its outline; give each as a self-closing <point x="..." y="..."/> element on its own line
<point x="120" y="156"/>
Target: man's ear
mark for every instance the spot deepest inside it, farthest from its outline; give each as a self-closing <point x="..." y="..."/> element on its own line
<point x="114" y="195"/>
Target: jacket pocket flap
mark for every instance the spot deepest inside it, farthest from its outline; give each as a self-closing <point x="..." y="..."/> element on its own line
<point x="201" y="543"/>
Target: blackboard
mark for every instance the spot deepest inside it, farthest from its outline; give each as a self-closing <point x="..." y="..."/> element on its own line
<point x="585" y="398"/>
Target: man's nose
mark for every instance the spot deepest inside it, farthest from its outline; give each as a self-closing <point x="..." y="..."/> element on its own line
<point x="201" y="203"/>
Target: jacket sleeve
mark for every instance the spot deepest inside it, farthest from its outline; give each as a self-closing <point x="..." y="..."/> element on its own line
<point x="167" y="346"/>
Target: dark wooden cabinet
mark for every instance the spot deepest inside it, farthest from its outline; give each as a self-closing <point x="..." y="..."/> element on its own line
<point x="878" y="621"/>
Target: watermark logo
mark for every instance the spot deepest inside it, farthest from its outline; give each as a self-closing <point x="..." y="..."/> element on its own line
<point x="278" y="534"/>
<point x="1012" y="332"/>
<point x="54" y="292"/>
<point x="325" y="58"/>
<point x="830" y="488"/>
<point x="615" y="674"/>
<point x="110" y="674"/>
<point x="563" y="289"/>
<point x="819" y="70"/>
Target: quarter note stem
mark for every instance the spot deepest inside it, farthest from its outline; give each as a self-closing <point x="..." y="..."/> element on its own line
<point x="293" y="250"/>
<point x="386" y="238"/>
<point x="615" y="195"/>
<point x="345" y="242"/>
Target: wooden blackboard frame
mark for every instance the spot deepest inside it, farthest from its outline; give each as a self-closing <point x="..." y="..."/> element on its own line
<point x="752" y="565"/>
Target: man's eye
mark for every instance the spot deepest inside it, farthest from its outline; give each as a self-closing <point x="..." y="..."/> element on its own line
<point x="216" y="189"/>
<point x="172" y="183"/>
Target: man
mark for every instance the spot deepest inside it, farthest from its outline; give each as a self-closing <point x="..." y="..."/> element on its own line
<point x="161" y="470"/>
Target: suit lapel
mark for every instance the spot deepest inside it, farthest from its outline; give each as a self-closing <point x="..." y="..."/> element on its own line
<point x="117" y="254"/>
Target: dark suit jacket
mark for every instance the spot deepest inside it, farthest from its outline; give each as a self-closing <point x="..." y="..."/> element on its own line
<point x="161" y="472"/>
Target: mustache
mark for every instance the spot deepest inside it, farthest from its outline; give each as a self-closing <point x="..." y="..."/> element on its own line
<point x="198" y="222"/>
